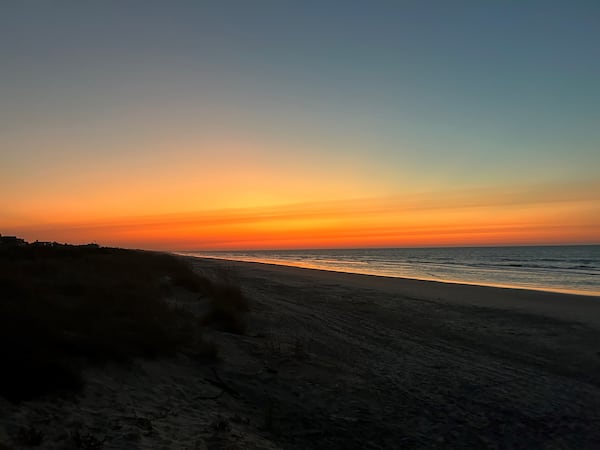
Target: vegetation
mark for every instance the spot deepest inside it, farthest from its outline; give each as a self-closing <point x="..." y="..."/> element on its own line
<point x="62" y="306"/>
<point x="228" y="306"/>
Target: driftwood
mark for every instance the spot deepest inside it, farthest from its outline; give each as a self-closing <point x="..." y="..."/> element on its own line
<point x="218" y="382"/>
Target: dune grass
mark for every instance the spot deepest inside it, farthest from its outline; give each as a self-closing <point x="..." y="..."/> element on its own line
<point x="228" y="305"/>
<point x="63" y="306"/>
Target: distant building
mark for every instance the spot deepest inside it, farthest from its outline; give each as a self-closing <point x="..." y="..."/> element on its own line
<point x="11" y="241"/>
<point x="42" y="244"/>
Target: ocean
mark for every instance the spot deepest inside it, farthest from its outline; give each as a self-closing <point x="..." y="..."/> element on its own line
<point x="573" y="269"/>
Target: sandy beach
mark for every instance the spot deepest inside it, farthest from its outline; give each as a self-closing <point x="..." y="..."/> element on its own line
<point x="337" y="361"/>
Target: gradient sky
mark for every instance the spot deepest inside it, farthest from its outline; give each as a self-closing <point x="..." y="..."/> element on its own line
<point x="279" y="124"/>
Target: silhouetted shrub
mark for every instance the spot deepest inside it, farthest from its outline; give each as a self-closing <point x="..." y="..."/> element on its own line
<point x="228" y="306"/>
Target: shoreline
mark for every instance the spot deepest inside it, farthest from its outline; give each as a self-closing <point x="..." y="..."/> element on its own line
<point x="459" y="282"/>
<point x="358" y="358"/>
<point x="557" y="305"/>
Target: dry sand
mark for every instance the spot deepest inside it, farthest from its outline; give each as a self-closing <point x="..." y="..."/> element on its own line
<point x="335" y="360"/>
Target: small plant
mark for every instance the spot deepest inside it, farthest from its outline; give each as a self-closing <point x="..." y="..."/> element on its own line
<point x="30" y="436"/>
<point x="228" y="306"/>
<point x="221" y="425"/>
<point x="299" y="349"/>
<point x="86" y="441"/>
<point x="273" y="347"/>
<point x="269" y="417"/>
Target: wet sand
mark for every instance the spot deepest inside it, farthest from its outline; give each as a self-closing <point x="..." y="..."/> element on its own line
<point x="580" y="308"/>
<point x="337" y="361"/>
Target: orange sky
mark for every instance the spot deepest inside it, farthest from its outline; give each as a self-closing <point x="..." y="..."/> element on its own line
<point x="545" y="214"/>
<point x="197" y="125"/>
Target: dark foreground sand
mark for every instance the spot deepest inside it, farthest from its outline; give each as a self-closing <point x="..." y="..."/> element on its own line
<point x="337" y="361"/>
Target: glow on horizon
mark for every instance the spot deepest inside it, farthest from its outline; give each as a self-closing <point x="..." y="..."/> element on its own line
<point x="462" y="218"/>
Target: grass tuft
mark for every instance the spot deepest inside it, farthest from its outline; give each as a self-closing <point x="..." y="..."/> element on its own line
<point x="228" y="307"/>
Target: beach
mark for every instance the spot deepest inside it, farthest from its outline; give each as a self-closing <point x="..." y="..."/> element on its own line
<point x="336" y="360"/>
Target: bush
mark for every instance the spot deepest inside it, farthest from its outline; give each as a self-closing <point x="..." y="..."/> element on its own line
<point x="228" y="307"/>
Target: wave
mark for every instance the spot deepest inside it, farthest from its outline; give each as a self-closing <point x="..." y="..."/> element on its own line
<point x="569" y="268"/>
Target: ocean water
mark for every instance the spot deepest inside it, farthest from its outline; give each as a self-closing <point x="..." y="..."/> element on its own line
<point x="574" y="269"/>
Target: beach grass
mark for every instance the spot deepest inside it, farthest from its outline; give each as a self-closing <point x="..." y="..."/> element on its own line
<point x="227" y="307"/>
<point x="64" y="306"/>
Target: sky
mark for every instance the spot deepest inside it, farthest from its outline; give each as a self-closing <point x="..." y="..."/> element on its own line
<point x="311" y="124"/>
